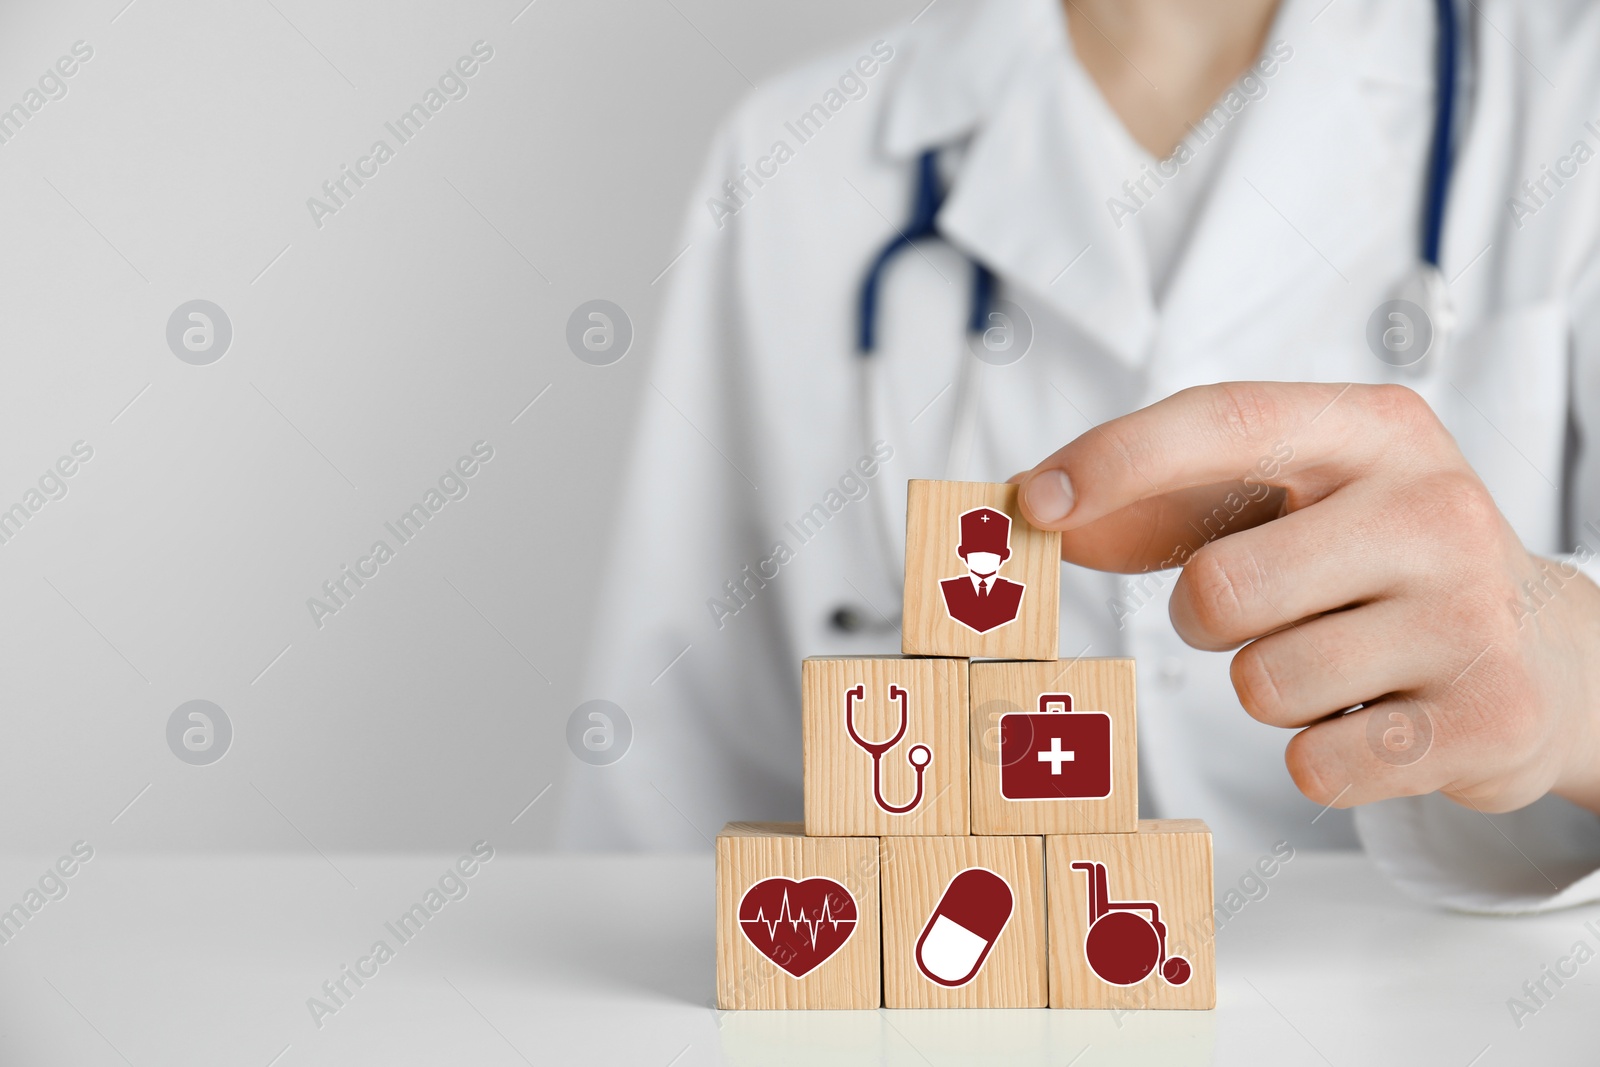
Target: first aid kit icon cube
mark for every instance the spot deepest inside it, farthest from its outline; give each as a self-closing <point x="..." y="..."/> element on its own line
<point x="1054" y="747"/>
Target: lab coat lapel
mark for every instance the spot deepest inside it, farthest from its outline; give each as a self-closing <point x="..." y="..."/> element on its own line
<point x="1027" y="199"/>
<point x="1030" y="203"/>
<point x="1315" y="174"/>
<point x="963" y="56"/>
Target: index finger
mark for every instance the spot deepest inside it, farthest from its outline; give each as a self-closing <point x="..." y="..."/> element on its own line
<point x="1212" y="434"/>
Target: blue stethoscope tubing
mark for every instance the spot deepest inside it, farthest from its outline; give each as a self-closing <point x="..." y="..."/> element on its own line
<point x="929" y="198"/>
<point x="1429" y="287"/>
<point x="1443" y="132"/>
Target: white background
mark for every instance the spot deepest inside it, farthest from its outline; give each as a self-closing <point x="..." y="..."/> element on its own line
<point x="368" y="355"/>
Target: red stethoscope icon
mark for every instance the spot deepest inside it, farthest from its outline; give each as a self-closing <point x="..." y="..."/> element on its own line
<point x="919" y="757"/>
<point x="1122" y="947"/>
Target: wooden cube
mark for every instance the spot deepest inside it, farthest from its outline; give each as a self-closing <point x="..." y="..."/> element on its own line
<point x="919" y="784"/>
<point x="797" y="919"/>
<point x="1039" y="767"/>
<point x="963" y="922"/>
<point x="1130" y="918"/>
<point x="980" y="581"/>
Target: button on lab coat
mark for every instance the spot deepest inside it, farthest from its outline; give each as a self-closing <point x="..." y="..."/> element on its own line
<point x="749" y="511"/>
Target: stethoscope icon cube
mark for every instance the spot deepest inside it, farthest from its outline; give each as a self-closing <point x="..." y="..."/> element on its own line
<point x="886" y="744"/>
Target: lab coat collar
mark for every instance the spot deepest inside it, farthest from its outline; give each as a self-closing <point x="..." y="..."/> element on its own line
<point x="962" y="54"/>
<point x="1319" y="170"/>
<point x="1030" y="202"/>
<point x="992" y="78"/>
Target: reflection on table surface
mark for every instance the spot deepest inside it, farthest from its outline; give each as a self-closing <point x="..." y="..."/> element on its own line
<point x="1021" y="1036"/>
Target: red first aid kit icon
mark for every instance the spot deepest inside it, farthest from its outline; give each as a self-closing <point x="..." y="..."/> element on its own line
<point x="1055" y="755"/>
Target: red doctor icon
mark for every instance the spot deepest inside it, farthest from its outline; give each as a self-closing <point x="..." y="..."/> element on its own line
<point x="1124" y="948"/>
<point x="919" y="756"/>
<point x="981" y="600"/>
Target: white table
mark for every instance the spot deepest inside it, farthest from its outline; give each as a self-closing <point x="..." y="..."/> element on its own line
<point x="183" y="960"/>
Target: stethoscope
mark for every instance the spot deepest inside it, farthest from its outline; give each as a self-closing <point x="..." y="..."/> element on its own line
<point x="1425" y="287"/>
<point x="919" y="757"/>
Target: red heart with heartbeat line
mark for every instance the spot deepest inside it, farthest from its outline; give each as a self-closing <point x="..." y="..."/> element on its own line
<point x="797" y="925"/>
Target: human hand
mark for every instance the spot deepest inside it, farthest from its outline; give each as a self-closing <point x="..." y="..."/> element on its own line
<point x="1337" y="533"/>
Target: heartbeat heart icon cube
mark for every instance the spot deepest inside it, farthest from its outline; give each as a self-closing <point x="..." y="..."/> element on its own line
<point x="797" y="919"/>
<point x="885" y="746"/>
<point x="1131" y="923"/>
<point x="980" y="581"/>
<point x="963" y="922"/>
<point x="1054" y="747"/>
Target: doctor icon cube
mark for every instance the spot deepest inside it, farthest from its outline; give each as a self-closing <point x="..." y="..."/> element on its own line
<point x="797" y="919"/>
<point x="964" y="922"/>
<point x="980" y="581"/>
<point x="1131" y="925"/>
<point x="1054" y="747"/>
<point x="885" y="746"/>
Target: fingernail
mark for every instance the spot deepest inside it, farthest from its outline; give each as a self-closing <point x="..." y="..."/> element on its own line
<point x="1048" y="495"/>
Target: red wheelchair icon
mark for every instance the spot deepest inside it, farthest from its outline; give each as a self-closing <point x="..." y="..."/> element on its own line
<point x="1122" y="947"/>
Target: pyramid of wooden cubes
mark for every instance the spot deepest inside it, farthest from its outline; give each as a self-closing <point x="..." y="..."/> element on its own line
<point x="972" y="835"/>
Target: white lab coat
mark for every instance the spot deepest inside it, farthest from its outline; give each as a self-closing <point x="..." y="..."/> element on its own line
<point x="754" y="412"/>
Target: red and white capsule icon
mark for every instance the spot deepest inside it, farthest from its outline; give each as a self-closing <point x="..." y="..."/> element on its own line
<point x="964" y="926"/>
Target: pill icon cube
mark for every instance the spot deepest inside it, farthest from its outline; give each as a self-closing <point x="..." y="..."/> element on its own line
<point x="963" y="922"/>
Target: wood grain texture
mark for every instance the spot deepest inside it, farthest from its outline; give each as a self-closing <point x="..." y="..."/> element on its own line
<point x="1168" y="862"/>
<point x="933" y="533"/>
<point x="1106" y="685"/>
<point x="852" y="976"/>
<point x="839" y="796"/>
<point x="916" y="871"/>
